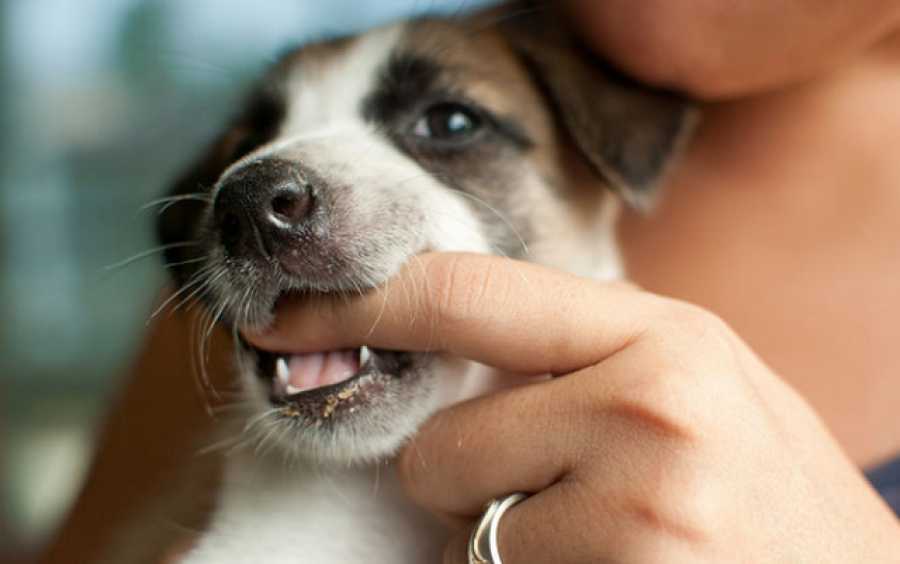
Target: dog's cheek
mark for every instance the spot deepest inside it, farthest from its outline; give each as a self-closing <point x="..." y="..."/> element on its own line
<point x="483" y="204"/>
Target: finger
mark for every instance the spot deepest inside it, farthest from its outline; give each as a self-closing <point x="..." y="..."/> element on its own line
<point x="457" y="550"/>
<point x="597" y="424"/>
<point x="563" y="524"/>
<point x="475" y="460"/>
<point x="515" y="316"/>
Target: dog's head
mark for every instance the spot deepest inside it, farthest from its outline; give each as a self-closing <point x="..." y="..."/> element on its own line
<point x="495" y="133"/>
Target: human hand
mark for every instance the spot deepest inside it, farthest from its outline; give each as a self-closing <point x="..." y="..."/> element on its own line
<point x="662" y="438"/>
<point x="719" y="49"/>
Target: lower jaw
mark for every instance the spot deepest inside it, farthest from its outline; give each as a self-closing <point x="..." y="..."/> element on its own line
<point x="359" y="422"/>
<point x="332" y="403"/>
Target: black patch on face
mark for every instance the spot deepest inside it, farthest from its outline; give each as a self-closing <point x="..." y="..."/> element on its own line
<point x="513" y="132"/>
<point x="409" y="84"/>
<point x="402" y="84"/>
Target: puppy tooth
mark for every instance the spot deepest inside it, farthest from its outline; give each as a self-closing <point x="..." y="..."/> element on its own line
<point x="364" y="355"/>
<point x="282" y="371"/>
<point x="291" y="390"/>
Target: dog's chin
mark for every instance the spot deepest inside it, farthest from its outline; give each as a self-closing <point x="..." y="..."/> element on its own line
<point x="364" y="404"/>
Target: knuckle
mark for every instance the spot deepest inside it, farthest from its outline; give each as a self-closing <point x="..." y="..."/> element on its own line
<point x="660" y="394"/>
<point x="682" y="335"/>
<point x="665" y="419"/>
<point x="646" y="549"/>
<point x="688" y="317"/>
<point x="662" y="399"/>
<point x="671" y="401"/>
<point x="673" y="509"/>
<point x="662" y="518"/>
<point x="659" y="409"/>
<point x="650" y="518"/>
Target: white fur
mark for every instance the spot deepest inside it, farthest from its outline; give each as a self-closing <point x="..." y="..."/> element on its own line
<point x="280" y="515"/>
<point x="325" y="94"/>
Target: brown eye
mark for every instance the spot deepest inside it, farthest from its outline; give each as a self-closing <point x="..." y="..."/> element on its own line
<point x="448" y="122"/>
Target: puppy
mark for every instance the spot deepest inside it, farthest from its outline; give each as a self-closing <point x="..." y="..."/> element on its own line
<point x="491" y="133"/>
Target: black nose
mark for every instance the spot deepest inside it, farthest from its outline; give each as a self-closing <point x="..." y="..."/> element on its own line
<point x="261" y="207"/>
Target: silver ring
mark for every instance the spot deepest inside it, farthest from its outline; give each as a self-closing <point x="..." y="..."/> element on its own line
<point x="483" y="548"/>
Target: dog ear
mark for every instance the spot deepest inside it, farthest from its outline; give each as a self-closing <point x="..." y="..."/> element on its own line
<point x="629" y="133"/>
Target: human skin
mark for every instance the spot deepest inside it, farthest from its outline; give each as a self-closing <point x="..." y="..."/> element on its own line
<point x="661" y="437"/>
<point x="717" y="49"/>
<point x="781" y="218"/>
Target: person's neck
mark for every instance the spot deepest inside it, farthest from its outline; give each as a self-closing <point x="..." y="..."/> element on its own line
<point x="782" y="218"/>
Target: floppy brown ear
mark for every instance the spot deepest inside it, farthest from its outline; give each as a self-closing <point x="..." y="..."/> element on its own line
<point x="628" y="132"/>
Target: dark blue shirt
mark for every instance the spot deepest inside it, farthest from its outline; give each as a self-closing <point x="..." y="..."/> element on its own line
<point x="886" y="479"/>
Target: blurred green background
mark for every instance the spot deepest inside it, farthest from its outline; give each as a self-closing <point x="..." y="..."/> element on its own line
<point x="101" y="103"/>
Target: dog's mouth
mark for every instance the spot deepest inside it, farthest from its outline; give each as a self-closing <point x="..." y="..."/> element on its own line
<point x="327" y="385"/>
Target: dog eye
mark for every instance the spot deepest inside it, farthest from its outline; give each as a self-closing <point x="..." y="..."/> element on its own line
<point x="448" y="122"/>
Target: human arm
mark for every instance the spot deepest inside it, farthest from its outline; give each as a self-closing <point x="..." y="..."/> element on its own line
<point x="156" y="424"/>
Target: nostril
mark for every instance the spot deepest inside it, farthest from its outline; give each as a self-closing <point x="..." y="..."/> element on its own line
<point x="290" y="207"/>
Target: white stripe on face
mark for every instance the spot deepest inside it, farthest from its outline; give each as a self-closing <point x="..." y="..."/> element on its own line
<point x="327" y="94"/>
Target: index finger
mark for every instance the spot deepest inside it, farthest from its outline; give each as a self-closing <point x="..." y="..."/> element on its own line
<point x="516" y="316"/>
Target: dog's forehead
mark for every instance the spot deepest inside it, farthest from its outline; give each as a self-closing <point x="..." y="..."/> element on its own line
<point x="326" y="84"/>
<point x="477" y="59"/>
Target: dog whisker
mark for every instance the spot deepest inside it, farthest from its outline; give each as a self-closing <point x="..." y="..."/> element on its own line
<point x="190" y="62"/>
<point x="168" y="201"/>
<point x="149" y="253"/>
<point x="204" y="327"/>
<point x="169" y="265"/>
<point x="185" y="288"/>
<point x="200" y="286"/>
<point x="218" y="446"/>
<point x="201" y="377"/>
<point x="265" y="414"/>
